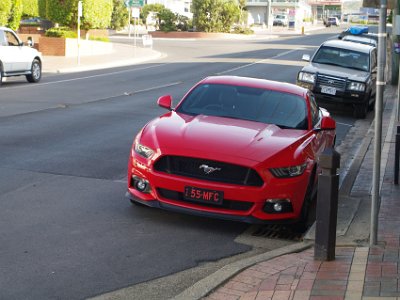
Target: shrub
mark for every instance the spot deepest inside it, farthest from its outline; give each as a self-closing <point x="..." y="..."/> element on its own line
<point x="242" y="30"/>
<point x="61" y="32"/>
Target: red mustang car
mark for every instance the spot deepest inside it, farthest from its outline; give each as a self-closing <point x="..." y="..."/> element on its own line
<point x="234" y="148"/>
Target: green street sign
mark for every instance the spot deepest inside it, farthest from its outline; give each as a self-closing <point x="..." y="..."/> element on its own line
<point x="134" y="3"/>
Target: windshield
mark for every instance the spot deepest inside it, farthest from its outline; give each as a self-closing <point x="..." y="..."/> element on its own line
<point x="247" y="103"/>
<point x="343" y="58"/>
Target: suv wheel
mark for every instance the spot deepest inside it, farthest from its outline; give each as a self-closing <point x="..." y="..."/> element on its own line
<point x="360" y="110"/>
<point x="36" y="71"/>
<point x="1" y="74"/>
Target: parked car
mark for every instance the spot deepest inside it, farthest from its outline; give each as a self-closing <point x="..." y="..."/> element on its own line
<point x="280" y="20"/>
<point x="234" y="148"/>
<point x="332" y="21"/>
<point x="342" y="72"/>
<point x="18" y="59"/>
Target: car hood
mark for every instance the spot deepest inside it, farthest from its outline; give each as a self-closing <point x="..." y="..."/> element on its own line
<point x="351" y="74"/>
<point x="216" y="137"/>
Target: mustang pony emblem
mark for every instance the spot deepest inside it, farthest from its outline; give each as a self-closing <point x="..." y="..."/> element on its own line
<point x="209" y="170"/>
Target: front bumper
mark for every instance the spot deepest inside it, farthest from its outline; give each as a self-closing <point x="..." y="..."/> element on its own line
<point x="241" y="203"/>
<point x="342" y="97"/>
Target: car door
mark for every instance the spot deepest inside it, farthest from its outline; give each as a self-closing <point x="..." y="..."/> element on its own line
<point x="6" y="52"/>
<point x="17" y="54"/>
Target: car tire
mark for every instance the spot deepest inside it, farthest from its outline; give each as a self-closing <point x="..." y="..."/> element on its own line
<point x="361" y="110"/>
<point x="371" y="105"/>
<point x="307" y="214"/>
<point x="36" y="71"/>
<point x="1" y="73"/>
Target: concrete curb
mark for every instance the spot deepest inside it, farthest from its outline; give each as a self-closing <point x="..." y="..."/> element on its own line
<point x="211" y="282"/>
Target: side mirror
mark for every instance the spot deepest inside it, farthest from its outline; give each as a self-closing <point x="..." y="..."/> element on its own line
<point x="306" y="57"/>
<point x="30" y="41"/>
<point x="165" y="102"/>
<point x="328" y="123"/>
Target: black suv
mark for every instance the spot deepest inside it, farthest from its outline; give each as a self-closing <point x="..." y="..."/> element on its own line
<point x="342" y="72"/>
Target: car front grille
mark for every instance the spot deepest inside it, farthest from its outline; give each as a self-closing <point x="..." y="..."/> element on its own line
<point x="336" y="82"/>
<point x="226" y="204"/>
<point x="208" y="170"/>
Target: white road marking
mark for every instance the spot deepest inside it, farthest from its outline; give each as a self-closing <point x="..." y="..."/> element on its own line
<point x="256" y="62"/>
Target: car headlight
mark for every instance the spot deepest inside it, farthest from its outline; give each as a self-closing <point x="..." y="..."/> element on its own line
<point x="356" y="86"/>
<point x="286" y="172"/>
<point x="307" y="77"/>
<point x="144" y="151"/>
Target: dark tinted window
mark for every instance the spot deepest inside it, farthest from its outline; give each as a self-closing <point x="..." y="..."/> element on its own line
<point x="254" y="104"/>
<point x="343" y="58"/>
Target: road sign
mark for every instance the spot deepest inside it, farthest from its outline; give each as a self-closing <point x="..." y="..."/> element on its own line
<point x="134" y="3"/>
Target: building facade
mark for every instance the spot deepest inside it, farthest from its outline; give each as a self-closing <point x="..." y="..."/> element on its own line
<point x="261" y="12"/>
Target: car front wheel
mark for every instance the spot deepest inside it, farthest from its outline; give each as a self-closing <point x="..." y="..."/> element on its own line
<point x="36" y="71"/>
<point x="361" y="110"/>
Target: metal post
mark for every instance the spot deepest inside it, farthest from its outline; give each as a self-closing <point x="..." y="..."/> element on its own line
<point x="79" y="32"/>
<point x="327" y="206"/>
<point x="396" y="156"/>
<point x="380" y="84"/>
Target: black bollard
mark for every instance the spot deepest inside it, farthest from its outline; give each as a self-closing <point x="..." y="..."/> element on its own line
<point x="396" y="156"/>
<point x="327" y="206"/>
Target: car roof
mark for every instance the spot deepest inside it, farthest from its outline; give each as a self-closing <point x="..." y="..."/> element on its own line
<point x="348" y="45"/>
<point x="257" y="83"/>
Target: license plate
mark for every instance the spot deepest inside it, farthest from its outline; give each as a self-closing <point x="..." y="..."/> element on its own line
<point x="203" y="195"/>
<point x="328" y="90"/>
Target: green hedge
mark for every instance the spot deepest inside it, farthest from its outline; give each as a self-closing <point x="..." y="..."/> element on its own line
<point x="65" y="32"/>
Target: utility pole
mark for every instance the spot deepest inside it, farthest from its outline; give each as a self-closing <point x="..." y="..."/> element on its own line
<point x="380" y="85"/>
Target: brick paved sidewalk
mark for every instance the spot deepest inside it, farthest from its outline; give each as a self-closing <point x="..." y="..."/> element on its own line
<point x="356" y="273"/>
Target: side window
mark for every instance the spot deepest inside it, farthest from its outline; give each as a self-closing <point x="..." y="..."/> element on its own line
<point x="373" y="59"/>
<point x="314" y="110"/>
<point x="3" y="41"/>
<point x="11" y="39"/>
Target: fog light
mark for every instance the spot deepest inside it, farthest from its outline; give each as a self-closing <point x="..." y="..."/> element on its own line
<point x="141" y="184"/>
<point x="276" y="206"/>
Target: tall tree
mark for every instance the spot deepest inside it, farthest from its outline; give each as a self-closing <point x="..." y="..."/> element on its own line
<point x="119" y="18"/>
<point x="15" y="14"/>
<point x="215" y="15"/>
<point x="5" y="8"/>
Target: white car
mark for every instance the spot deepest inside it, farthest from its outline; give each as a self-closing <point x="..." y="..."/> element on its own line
<point x="18" y="59"/>
<point x="280" y="20"/>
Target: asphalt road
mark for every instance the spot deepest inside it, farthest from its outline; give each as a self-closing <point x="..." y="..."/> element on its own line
<point x="66" y="229"/>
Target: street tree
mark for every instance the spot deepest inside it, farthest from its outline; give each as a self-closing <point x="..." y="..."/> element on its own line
<point x="5" y="9"/>
<point x="215" y="15"/>
<point x="120" y="15"/>
<point x="150" y="8"/>
<point x="167" y="20"/>
<point x="96" y="13"/>
<point x="15" y="14"/>
<point x="30" y="8"/>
